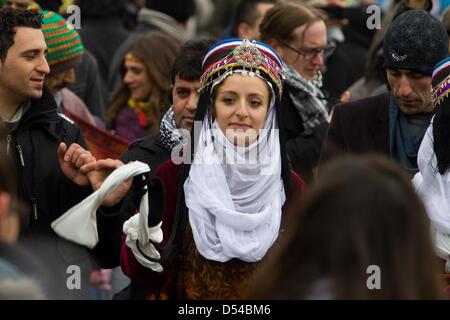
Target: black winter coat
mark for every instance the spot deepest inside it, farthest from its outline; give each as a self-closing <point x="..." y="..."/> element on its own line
<point x="303" y="150"/>
<point x="33" y="145"/>
<point x="149" y="150"/>
<point x="357" y="127"/>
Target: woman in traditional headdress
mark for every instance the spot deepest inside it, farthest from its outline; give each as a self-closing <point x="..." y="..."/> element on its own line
<point x="223" y="213"/>
<point x="432" y="181"/>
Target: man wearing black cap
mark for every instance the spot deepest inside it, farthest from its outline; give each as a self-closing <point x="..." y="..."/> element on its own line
<point x="394" y="123"/>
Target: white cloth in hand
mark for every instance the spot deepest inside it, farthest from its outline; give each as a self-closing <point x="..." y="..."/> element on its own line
<point x="79" y="224"/>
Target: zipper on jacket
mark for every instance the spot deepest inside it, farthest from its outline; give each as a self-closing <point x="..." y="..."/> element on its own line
<point x="33" y="200"/>
<point x="19" y="149"/>
<point x="8" y="141"/>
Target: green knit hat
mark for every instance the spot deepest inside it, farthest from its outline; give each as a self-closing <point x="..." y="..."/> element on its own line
<point x="64" y="44"/>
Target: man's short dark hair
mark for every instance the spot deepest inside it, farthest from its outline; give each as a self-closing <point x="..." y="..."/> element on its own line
<point x="188" y="64"/>
<point x="246" y="12"/>
<point x="10" y="19"/>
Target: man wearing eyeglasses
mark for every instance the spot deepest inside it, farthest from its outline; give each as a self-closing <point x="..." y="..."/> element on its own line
<point x="394" y="123"/>
<point x="298" y="34"/>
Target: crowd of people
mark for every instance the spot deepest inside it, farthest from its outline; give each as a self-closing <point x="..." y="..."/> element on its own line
<point x="207" y="149"/>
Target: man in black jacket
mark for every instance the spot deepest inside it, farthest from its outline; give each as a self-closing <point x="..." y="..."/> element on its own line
<point x="394" y="124"/>
<point x="45" y="146"/>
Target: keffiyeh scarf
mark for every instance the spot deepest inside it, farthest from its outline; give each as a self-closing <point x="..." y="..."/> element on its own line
<point x="170" y="135"/>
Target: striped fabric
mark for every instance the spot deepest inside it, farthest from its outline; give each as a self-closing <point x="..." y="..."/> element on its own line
<point x="441" y="81"/>
<point x="253" y="57"/>
<point x="63" y="42"/>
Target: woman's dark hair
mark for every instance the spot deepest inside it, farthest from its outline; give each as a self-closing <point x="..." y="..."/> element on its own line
<point x="441" y="136"/>
<point x="441" y="124"/>
<point x="362" y="212"/>
<point x="158" y="64"/>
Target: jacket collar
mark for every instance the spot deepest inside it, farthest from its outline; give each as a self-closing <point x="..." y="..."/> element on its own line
<point x="42" y="110"/>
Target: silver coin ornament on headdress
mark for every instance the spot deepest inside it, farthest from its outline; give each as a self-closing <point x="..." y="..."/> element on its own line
<point x="248" y="55"/>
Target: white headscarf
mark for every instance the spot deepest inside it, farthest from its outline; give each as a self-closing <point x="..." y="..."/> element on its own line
<point x="235" y="209"/>
<point x="434" y="190"/>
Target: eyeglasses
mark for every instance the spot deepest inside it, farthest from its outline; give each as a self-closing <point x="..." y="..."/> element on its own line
<point x="309" y="54"/>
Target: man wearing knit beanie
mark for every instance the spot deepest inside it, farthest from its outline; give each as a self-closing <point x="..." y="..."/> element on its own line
<point x="65" y="52"/>
<point x="394" y="123"/>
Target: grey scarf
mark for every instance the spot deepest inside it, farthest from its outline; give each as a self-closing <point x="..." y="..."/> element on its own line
<point x="307" y="98"/>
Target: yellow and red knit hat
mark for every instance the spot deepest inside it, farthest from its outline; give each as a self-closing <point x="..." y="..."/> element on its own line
<point x="64" y="44"/>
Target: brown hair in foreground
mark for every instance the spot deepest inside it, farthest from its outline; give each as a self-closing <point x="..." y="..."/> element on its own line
<point x="362" y="211"/>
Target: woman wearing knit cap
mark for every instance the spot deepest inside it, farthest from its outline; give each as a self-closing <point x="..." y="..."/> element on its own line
<point x="136" y="108"/>
<point x="298" y="34"/>
<point x="433" y="179"/>
<point x="222" y="214"/>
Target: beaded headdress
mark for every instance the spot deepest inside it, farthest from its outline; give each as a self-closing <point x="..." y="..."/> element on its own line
<point x="440" y="82"/>
<point x="251" y="57"/>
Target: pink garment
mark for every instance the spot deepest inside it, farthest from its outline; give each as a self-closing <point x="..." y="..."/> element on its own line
<point x="72" y="104"/>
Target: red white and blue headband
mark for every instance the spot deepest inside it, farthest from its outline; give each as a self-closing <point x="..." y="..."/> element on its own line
<point x="253" y="58"/>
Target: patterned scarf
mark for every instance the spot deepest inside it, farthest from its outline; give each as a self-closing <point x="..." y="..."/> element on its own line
<point x="307" y="98"/>
<point x="170" y="136"/>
